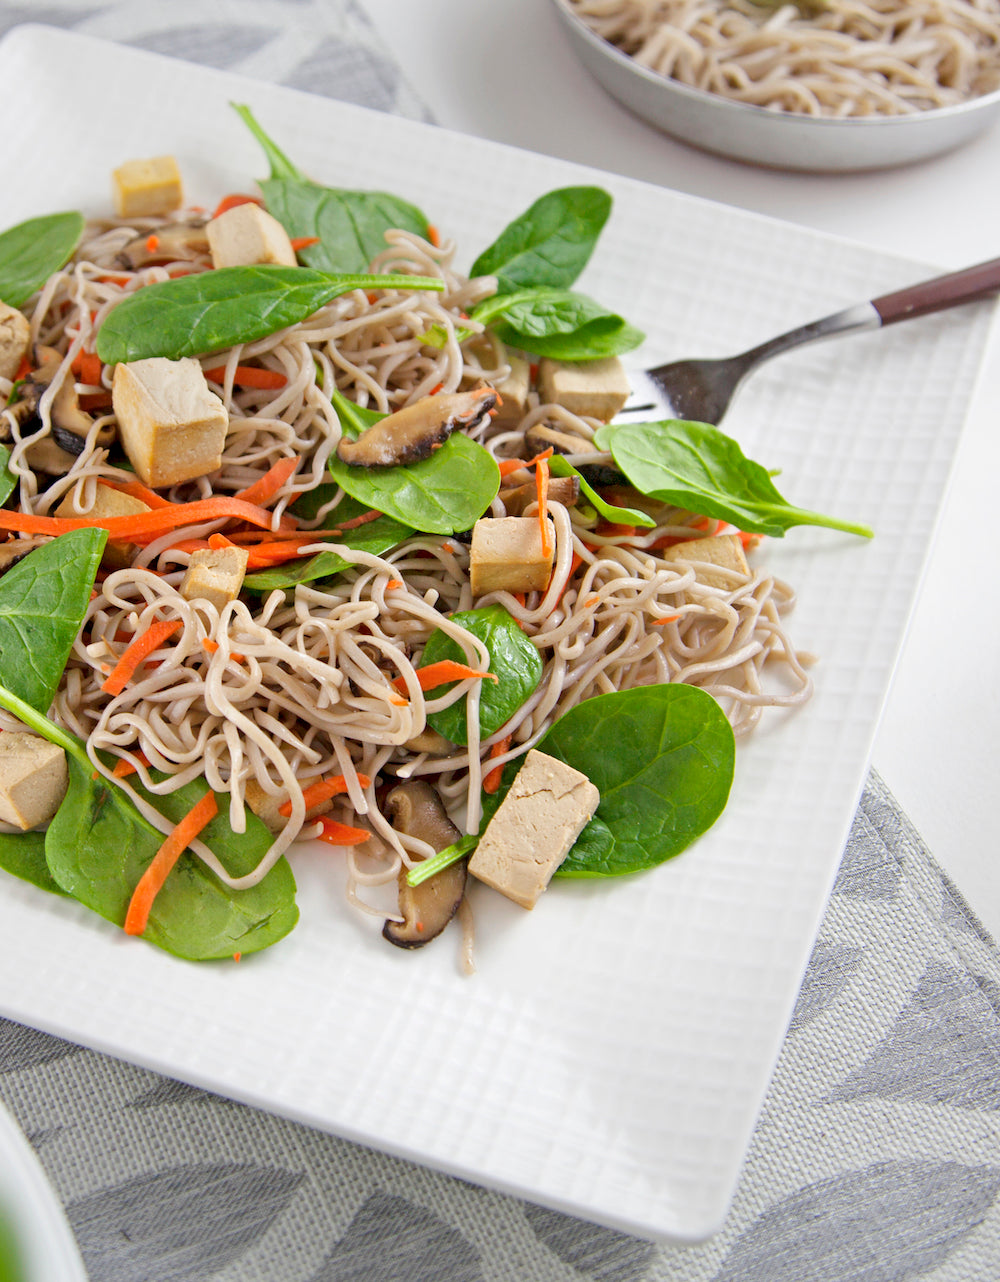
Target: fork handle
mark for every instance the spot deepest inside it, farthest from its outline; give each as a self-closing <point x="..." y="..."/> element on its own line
<point x="943" y="291"/>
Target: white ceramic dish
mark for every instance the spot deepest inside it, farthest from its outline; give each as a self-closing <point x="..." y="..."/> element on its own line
<point x="611" y="1054"/>
<point x="46" y="1246"/>
<point x="781" y="140"/>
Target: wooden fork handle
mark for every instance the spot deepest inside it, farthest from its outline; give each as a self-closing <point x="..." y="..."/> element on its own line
<point x="943" y="291"/>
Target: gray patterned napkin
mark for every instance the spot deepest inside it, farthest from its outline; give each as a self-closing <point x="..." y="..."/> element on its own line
<point x="876" y="1157"/>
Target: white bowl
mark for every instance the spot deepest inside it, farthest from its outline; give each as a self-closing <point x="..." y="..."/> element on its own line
<point x="778" y="139"/>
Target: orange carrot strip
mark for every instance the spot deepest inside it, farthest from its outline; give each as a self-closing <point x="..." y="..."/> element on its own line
<point x="151" y="881"/>
<point x="433" y="235"/>
<point x="440" y="673"/>
<point x="269" y="484"/>
<point x="338" y="834"/>
<point x="123" y="768"/>
<point x="87" y="367"/>
<point x="138" y="491"/>
<point x="137" y="651"/>
<point x="670" y="618"/>
<point x="230" y="202"/>
<point x="542" y="487"/>
<point x="113" y="280"/>
<point x="143" y="525"/>
<point x="509" y="465"/>
<point x="353" y="523"/>
<point x="322" y="791"/>
<point x="249" y="376"/>
<point x="303" y="242"/>
<point x="393" y="583"/>
<point x="153" y="243"/>
<point x="491" y="781"/>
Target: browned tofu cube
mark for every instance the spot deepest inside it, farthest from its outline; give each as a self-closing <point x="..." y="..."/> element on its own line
<point x="15" y="339"/>
<point x="536" y="824"/>
<point x="142" y="188"/>
<point x="172" y="427"/>
<point x="723" y="550"/>
<point x="33" y="779"/>
<point x="247" y="234"/>
<point x="215" y="575"/>
<point x="507" y="555"/>
<point x="108" y="502"/>
<point x="592" y="389"/>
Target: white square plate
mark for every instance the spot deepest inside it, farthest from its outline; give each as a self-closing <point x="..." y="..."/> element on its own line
<point x="611" y="1054"/>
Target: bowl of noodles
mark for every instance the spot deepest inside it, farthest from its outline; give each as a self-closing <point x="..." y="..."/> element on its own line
<point x="826" y="86"/>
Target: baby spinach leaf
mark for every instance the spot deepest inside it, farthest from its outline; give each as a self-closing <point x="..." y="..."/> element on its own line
<point x="376" y="537"/>
<point x="23" y="855"/>
<point x="557" y="323"/>
<point x="616" y="515"/>
<point x="442" y="494"/>
<point x="43" y="599"/>
<point x="662" y="758"/>
<point x="99" y="845"/>
<point x="513" y="658"/>
<point x="550" y="243"/>
<point x="7" y="478"/>
<point x="33" y="250"/>
<point x="351" y="225"/>
<point x="696" y="467"/>
<point x="207" y="311"/>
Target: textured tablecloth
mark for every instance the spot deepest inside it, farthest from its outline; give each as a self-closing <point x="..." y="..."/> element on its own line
<point x="877" y="1154"/>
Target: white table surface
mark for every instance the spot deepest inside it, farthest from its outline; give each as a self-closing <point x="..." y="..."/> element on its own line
<point x="504" y="71"/>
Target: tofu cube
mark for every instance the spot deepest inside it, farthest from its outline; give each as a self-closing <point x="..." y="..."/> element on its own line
<point x="108" y="502"/>
<point x="215" y="575"/>
<point x="15" y="339"/>
<point x="513" y="391"/>
<point x="534" y="828"/>
<point x="144" y="187"/>
<point x="172" y="427"/>
<point x="33" y="779"/>
<point x="592" y="389"/>
<point x="247" y="234"/>
<point x="507" y="555"/>
<point x="723" y="550"/>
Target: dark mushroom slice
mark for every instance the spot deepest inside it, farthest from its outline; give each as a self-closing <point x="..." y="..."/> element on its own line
<point x="414" y="432"/>
<point x="541" y="436"/>
<point x="15" y="550"/>
<point x="176" y="243"/>
<point x="416" y="810"/>
<point x="562" y="489"/>
<point x="70" y="424"/>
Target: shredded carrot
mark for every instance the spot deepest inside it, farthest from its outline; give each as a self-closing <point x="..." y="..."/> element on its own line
<point x="179" y="270"/>
<point x="440" y="673"/>
<point x="212" y="647"/>
<point x="237" y="957"/>
<point x="270" y="483"/>
<point x="123" y="768"/>
<point x="137" y="651"/>
<point x="230" y="202"/>
<point x="303" y="242"/>
<point x="491" y="780"/>
<point x="433" y="235"/>
<point x="338" y="834"/>
<point x="144" y="525"/>
<point x="153" y="243"/>
<point x="509" y="465"/>
<point x="435" y="389"/>
<point x="87" y="367"/>
<point x="393" y="583"/>
<point x="120" y="281"/>
<point x="321" y="791"/>
<point x="151" y="881"/>
<point x="542" y="486"/>
<point x="353" y="523"/>
<point x="137" y="491"/>
<point x="670" y="618"/>
<point x="249" y="376"/>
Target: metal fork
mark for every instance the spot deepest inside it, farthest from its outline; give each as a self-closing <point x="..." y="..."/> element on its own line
<point x="702" y="390"/>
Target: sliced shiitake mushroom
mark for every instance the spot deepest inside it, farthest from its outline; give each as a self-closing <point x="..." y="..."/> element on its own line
<point x="414" y="432"/>
<point x="69" y="423"/>
<point x="540" y="436"/>
<point x="176" y="243"/>
<point x="416" y="810"/>
<point x="562" y="489"/>
<point x="15" y="550"/>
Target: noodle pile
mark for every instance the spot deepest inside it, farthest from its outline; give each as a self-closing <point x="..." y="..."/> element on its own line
<point x="835" y="58"/>
<point x="277" y="689"/>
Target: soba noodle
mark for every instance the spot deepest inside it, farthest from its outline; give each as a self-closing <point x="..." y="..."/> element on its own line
<point x="296" y="685"/>
<point x="829" y="58"/>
